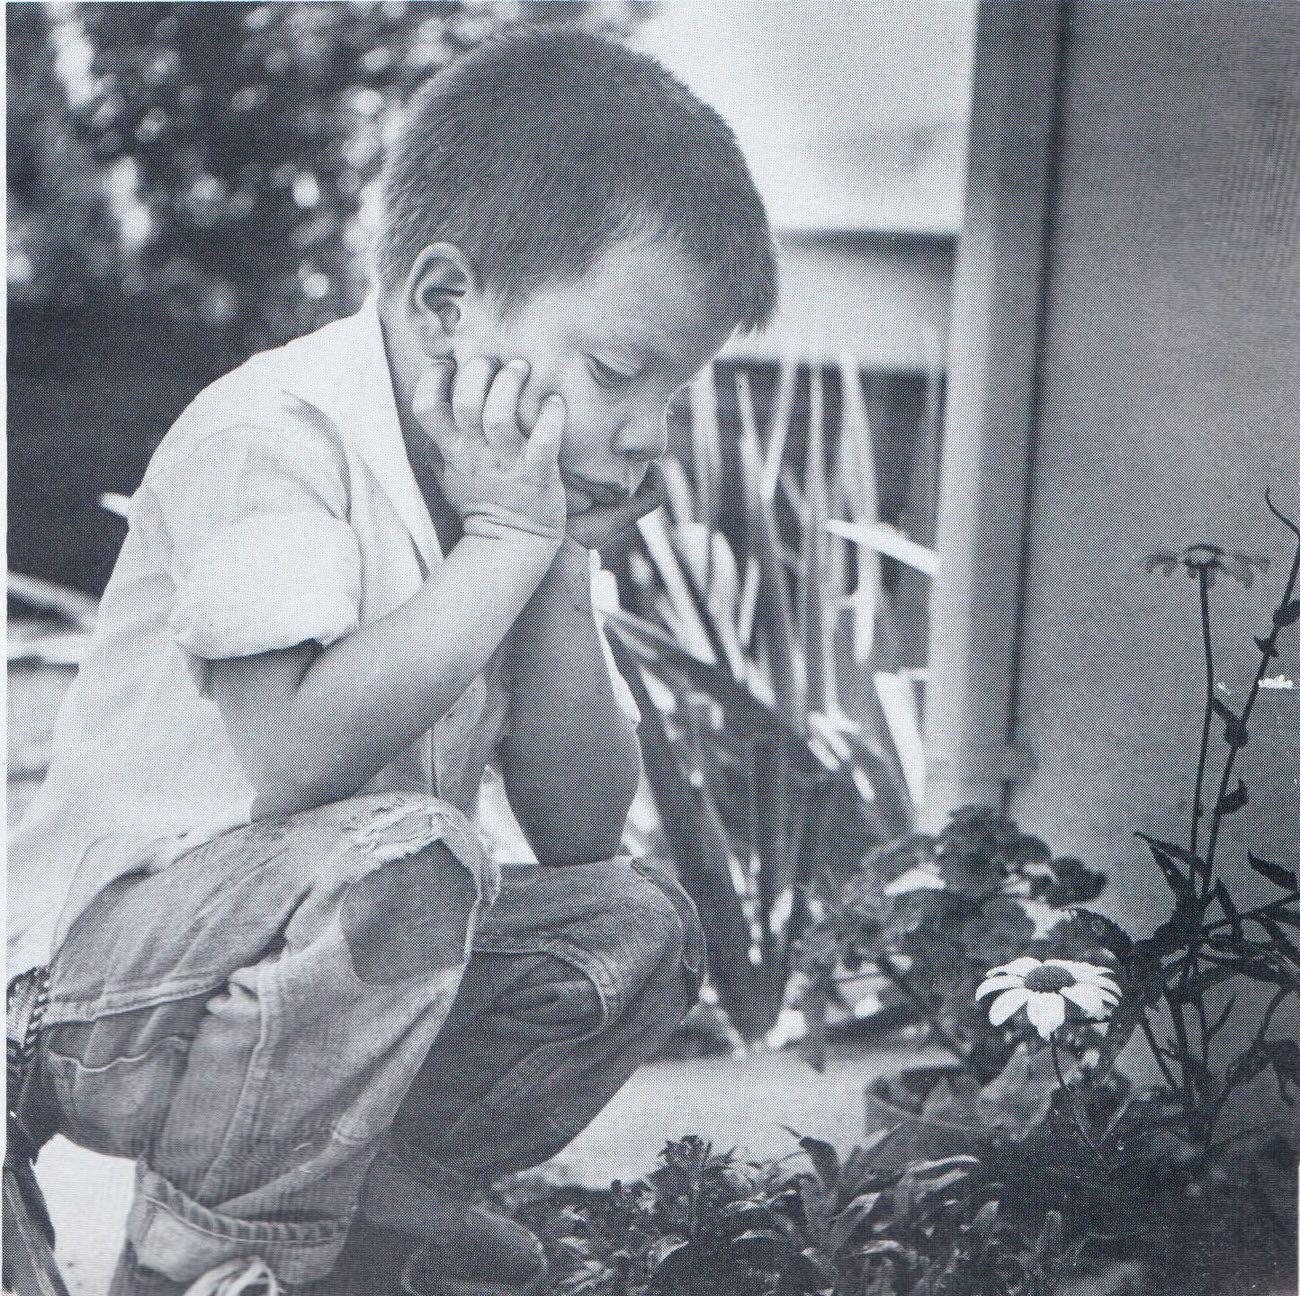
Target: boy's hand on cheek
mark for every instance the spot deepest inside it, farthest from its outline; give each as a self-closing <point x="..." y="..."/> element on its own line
<point x="488" y="468"/>
<point x="605" y="526"/>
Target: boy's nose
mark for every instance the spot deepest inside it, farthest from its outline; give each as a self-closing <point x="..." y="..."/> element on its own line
<point x="642" y="439"/>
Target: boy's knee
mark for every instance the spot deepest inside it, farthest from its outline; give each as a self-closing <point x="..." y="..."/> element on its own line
<point x="408" y="910"/>
<point x="410" y="917"/>
<point x="655" y="922"/>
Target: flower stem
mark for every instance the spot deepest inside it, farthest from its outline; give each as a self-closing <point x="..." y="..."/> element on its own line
<point x="1145" y="1026"/>
<point x="1207" y="646"/>
<point x="1072" y="1099"/>
<point x="896" y="975"/>
<point x="1216" y="818"/>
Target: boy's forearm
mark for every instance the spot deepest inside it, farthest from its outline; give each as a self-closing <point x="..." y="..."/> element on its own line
<point x="570" y="762"/>
<point x="364" y="699"/>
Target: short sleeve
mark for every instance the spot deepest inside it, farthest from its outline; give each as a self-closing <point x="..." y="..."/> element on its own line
<point x="250" y="526"/>
<point x="604" y="597"/>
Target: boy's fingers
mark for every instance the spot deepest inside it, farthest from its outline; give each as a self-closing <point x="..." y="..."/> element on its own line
<point x="501" y="410"/>
<point x="543" y="445"/>
<point x="469" y="392"/>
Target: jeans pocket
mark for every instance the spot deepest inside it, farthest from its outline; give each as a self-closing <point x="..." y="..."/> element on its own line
<point x="118" y="1108"/>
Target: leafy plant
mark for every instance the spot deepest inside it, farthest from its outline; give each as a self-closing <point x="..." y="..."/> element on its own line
<point x="930" y="916"/>
<point x="747" y="631"/>
<point x="710" y="1224"/>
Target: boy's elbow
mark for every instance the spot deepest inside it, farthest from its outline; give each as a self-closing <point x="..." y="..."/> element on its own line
<point x="578" y="819"/>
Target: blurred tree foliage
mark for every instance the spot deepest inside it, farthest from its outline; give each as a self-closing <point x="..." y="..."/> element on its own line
<point x="218" y="161"/>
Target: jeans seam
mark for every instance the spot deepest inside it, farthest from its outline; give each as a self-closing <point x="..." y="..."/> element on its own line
<point x="131" y="996"/>
<point x="254" y="1082"/>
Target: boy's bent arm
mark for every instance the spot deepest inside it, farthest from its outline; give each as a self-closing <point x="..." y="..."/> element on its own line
<point x="570" y="762"/>
<point x="313" y="725"/>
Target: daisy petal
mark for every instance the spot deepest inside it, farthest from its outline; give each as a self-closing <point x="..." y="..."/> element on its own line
<point x="1046" y="1011"/>
<point x="1007" y="1004"/>
<point x="994" y="984"/>
<point x="1017" y="967"/>
<point x="1089" y="999"/>
<point x="1089" y="973"/>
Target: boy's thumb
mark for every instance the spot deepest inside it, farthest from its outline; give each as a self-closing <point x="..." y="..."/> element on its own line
<point x="431" y="400"/>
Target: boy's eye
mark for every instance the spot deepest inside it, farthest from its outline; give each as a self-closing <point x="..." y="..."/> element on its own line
<point x="607" y="375"/>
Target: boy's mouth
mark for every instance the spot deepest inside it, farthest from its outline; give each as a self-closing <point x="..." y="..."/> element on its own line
<point x="599" y="492"/>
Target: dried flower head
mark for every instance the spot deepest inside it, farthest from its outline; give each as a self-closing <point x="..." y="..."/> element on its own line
<point x="1207" y="561"/>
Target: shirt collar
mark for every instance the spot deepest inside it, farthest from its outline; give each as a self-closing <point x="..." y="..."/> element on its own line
<point x="343" y="371"/>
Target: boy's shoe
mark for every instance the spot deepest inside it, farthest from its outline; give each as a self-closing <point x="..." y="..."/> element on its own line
<point x="466" y="1250"/>
<point x="481" y="1254"/>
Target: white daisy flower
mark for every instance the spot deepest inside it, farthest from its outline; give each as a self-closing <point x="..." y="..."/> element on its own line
<point x="1042" y="989"/>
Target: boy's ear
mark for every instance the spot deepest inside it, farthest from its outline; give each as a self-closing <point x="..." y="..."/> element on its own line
<point x="436" y="287"/>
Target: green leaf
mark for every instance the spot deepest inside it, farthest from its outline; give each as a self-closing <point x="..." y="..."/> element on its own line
<point x="818" y="625"/>
<point x="1017" y="1101"/>
<point x="1234" y="734"/>
<point x="669" y="1255"/>
<point x="1284" y="1057"/>
<point x="928" y="1169"/>
<point x="850" y="1219"/>
<point x="1105" y="931"/>
<point x="765" y="545"/>
<point x="1279" y="876"/>
<point x="760" y="1247"/>
<point x="1204" y="981"/>
<point x="986" y="1219"/>
<point x="1260" y="969"/>
<point x="825" y="1160"/>
<point x="1279" y="938"/>
<point x="1167" y="856"/>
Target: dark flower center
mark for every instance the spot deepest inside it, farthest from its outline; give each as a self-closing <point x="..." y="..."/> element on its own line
<point x="1048" y="978"/>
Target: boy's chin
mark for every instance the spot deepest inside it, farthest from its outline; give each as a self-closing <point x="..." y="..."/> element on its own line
<point x="577" y="500"/>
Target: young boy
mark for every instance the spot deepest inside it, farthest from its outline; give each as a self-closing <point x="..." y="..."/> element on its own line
<point x="286" y="978"/>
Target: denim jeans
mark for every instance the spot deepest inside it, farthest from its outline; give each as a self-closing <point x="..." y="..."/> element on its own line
<point x="347" y="1008"/>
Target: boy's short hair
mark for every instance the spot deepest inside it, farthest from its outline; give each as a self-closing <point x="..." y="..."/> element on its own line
<point x="542" y="148"/>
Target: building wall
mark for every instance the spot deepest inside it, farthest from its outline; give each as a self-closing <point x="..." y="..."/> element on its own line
<point x="1170" y="397"/>
<point x="879" y="299"/>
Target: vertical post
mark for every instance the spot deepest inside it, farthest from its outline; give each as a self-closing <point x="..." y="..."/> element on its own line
<point x="992" y="409"/>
